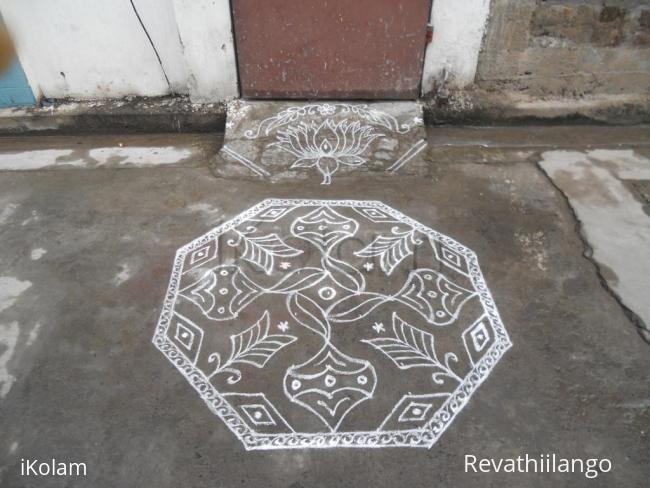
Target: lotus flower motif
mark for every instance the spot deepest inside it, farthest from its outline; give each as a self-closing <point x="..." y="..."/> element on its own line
<point x="327" y="146"/>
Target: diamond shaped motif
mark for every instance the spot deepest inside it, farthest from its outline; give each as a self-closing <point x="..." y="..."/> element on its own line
<point x="414" y="412"/>
<point x="319" y="323"/>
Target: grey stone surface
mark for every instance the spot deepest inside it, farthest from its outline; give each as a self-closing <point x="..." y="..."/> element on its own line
<point x="85" y="259"/>
<point x="117" y="116"/>
<point x="177" y="115"/>
<point x="571" y="48"/>
<point x="300" y="140"/>
<point x="615" y="221"/>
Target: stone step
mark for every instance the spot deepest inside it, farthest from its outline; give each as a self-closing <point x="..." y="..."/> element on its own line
<point x="289" y="140"/>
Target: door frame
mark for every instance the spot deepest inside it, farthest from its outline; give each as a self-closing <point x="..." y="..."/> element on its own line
<point x="451" y="58"/>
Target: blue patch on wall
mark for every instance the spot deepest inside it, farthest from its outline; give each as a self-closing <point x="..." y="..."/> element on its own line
<point x="14" y="89"/>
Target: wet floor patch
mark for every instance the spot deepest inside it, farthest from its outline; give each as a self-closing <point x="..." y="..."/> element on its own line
<point x="10" y="289"/>
<point x="119" y="151"/>
<point x="599" y="185"/>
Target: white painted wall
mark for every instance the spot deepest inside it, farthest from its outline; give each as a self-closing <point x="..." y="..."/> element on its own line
<point x="206" y="33"/>
<point x="85" y="49"/>
<point x="159" y="18"/>
<point x="458" y="29"/>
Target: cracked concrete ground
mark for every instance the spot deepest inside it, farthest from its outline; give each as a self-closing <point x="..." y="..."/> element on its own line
<point x="613" y="217"/>
<point x="85" y="255"/>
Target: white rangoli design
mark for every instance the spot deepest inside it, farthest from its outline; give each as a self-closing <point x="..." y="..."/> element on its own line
<point x="294" y="341"/>
<point x="326" y="137"/>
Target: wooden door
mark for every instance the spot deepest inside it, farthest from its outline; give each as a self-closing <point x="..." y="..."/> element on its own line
<point x="341" y="49"/>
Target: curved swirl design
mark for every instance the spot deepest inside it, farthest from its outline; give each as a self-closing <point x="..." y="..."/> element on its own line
<point x="323" y="346"/>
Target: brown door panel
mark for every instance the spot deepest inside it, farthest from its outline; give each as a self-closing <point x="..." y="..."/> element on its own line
<point x="330" y="48"/>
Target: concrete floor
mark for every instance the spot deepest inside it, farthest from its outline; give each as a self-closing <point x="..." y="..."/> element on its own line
<point x="85" y="257"/>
